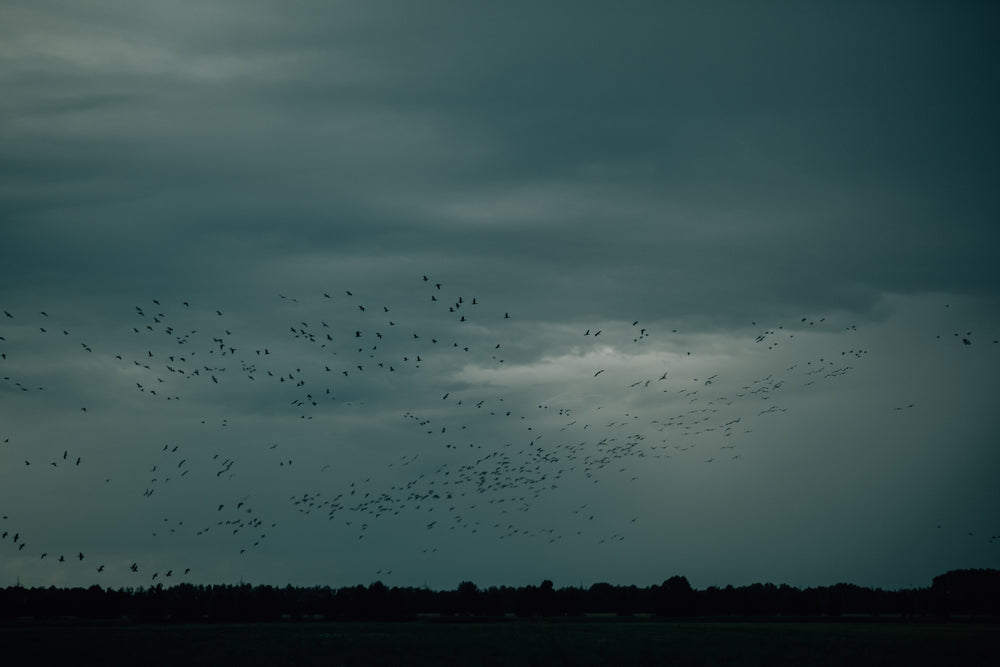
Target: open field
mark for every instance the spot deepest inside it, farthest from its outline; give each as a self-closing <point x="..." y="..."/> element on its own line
<point x="568" y="642"/>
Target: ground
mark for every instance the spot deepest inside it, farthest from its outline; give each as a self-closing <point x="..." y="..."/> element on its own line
<point x="520" y="642"/>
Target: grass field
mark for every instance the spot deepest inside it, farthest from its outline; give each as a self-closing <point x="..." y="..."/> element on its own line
<point x="557" y="642"/>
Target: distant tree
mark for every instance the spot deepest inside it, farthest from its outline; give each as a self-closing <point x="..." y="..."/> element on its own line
<point x="601" y="598"/>
<point x="526" y="601"/>
<point x="970" y="591"/>
<point x="468" y="599"/>
<point x="497" y="601"/>
<point x="535" y="600"/>
<point x="184" y="603"/>
<point x="547" y="598"/>
<point x="375" y="605"/>
<point x="961" y="592"/>
<point x="628" y="600"/>
<point x="570" y="601"/>
<point x="675" y="597"/>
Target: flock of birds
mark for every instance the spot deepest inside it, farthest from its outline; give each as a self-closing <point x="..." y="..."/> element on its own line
<point x="445" y="449"/>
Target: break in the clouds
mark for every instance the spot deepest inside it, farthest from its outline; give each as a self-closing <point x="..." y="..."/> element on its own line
<point x="710" y="290"/>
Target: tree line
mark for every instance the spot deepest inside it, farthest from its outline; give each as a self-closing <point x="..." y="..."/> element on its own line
<point x="958" y="592"/>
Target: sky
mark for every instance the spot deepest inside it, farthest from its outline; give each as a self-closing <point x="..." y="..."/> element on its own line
<point x="324" y="293"/>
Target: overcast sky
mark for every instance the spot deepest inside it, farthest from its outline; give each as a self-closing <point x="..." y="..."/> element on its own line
<point x="423" y="292"/>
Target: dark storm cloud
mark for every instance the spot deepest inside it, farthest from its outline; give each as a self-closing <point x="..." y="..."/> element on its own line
<point x="814" y="148"/>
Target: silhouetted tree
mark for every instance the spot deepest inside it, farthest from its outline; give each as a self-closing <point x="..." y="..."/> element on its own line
<point x="962" y="592"/>
<point x="497" y="601"/>
<point x="468" y="599"/>
<point x="972" y="591"/>
<point x="675" y="597"/>
<point x="601" y="598"/>
<point x="570" y="601"/>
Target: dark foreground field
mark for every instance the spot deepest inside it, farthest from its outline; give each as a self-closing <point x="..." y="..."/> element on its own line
<point x="520" y="642"/>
